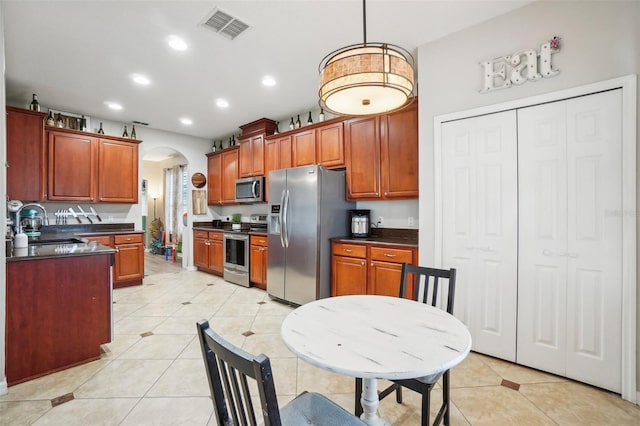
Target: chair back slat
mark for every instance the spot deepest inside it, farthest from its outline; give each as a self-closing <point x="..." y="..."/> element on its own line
<point x="430" y="284"/>
<point x="228" y="370"/>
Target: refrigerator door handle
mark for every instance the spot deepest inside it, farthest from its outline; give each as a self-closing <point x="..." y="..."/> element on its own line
<point x="281" y="218"/>
<point x="285" y="231"/>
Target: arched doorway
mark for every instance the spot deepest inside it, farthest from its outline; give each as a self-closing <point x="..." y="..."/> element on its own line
<point x="165" y="199"/>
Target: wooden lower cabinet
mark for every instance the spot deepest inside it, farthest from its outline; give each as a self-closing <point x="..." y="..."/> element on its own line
<point x="259" y="261"/>
<point x="348" y="275"/>
<point x="207" y="251"/>
<point x="128" y="267"/>
<point x="58" y="314"/>
<point x="368" y="268"/>
<point x="129" y="264"/>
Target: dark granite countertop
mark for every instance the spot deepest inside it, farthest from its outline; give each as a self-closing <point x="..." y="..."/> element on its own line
<point x="38" y="251"/>
<point x="390" y="236"/>
<point x="378" y="240"/>
<point x="67" y="240"/>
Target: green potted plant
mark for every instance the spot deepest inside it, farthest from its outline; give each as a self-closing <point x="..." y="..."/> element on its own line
<point x="236" y="219"/>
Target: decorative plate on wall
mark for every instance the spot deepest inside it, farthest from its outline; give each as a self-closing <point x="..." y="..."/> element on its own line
<point x="198" y="180"/>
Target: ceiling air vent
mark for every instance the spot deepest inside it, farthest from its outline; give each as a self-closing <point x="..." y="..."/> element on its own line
<point x="225" y="24"/>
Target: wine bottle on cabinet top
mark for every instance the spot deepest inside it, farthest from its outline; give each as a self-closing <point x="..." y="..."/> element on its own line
<point x="59" y="120"/>
<point x="276" y="130"/>
<point x="50" y="120"/>
<point x="298" y="123"/>
<point x="291" y="124"/>
<point x="309" y="120"/>
<point x="34" y="105"/>
<point x="83" y="124"/>
<point x="321" y="116"/>
<point x="125" y="134"/>
<point x="100" y="131"/>
<point x="133" y="131"/>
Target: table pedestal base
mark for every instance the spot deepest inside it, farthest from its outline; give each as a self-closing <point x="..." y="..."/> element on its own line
<point x="370" y="403"/>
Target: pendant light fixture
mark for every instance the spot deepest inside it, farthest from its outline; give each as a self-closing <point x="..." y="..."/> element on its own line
<point x="366" y="78"/>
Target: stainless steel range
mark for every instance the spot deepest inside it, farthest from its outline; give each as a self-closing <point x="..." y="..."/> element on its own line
<point x="236" y="257"/>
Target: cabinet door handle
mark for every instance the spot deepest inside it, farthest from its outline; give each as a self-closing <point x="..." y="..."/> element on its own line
<point x="362" y="263"/>
<point x="348" y="250"/>
<point x="389" y="255"/>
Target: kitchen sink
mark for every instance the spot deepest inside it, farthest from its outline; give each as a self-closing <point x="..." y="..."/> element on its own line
<point x="37" y="242"/>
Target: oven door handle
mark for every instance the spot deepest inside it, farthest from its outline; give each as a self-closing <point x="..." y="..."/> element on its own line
<point x="285" y="218"/>
<point x="240" y="237"/>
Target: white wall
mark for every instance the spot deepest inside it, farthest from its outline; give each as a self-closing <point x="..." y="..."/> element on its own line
<point x="3" y="196"/>
<point x="600" y="41"/>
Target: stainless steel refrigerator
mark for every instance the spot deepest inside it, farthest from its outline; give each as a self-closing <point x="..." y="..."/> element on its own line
<point x="307" y="206"/>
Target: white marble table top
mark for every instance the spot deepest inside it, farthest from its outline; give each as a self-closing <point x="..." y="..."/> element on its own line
<point x="376" y="337"/>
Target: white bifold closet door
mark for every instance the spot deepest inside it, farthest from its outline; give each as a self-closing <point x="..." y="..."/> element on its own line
<point x="570" y="238"/>
<point x="479" y="196"/>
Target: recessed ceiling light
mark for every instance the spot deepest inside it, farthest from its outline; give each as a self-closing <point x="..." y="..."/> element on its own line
<point x="221" y="103"/>
<point x="140" y="79"/>
<point x="113" y="105"/>
<point x="268" y="81"/>
<point x="186" y="121"/>
<point x="177" y="43"/>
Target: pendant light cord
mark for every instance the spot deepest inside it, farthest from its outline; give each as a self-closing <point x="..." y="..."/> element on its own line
<point x="364" y="20"/>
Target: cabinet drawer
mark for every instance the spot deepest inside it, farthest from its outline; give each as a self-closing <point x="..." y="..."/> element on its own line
<point x="200" y="234"/>
<point x="351" y="250"/>
<point x="396" y="255"/>
<point x="217" y="236"/>
<point x="258" y="240"/>
<point x="128" y="239"/>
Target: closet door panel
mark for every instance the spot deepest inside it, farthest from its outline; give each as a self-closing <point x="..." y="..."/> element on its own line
<point x="594" y="291"/>
<point x="459" y="206"/>
<point x="480" y="224"/>
<point x="542" y="237"/>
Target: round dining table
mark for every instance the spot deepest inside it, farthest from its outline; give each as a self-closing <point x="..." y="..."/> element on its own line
<point x="375" y="337"/>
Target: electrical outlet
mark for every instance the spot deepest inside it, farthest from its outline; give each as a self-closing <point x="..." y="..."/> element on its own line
<point x="410" y="221"/>
<point x="380" y="221"/>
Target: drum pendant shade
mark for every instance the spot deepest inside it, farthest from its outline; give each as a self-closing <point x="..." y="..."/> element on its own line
<point x="367" y="78"/>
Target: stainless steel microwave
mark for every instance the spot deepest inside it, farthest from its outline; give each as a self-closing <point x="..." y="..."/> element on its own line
<point x="250" y="190"/>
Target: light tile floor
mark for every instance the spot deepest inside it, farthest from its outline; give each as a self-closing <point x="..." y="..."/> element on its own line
<point x="160" y="379"/>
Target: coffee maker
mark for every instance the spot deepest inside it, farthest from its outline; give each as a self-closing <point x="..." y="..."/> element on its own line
<point x="360" y="221"/>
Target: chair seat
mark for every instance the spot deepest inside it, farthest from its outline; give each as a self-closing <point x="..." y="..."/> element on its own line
<point x="429" y="380"/>
<point x="311" y="408"/>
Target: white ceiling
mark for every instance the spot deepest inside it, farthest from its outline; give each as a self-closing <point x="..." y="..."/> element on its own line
<point x="78" y="54"/>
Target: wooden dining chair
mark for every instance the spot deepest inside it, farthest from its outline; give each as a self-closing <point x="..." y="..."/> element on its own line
<point x="228" y="368"/>
<point x="426" y="285"/>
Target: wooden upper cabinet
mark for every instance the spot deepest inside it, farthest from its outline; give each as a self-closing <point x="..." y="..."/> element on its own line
<point x="399" y="155"/>
<point x="303" y="147"/>
<point x="330" y="145"/>
<point x="381" y="155"/>
<point x="222" y="171"/>
<point x="117" y="172"/>
<point x="229" y="175"/>
<point x="251" y="156"/>
<point x="277" y="156"/>
<point x="26" y="161"/>
<point x="362" y="157"/>
<point x="214" y="178"/>
<point x="90" y="169"/>
<point x="72" y="167"/>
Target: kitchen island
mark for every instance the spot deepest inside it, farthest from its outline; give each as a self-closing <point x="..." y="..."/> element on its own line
<point x="58" y="307"/>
